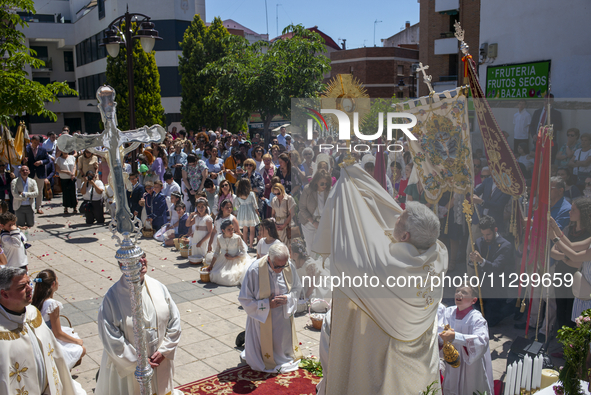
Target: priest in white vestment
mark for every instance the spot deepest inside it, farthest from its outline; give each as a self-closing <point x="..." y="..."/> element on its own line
<point x="383" y="338"/>
<point x="163" y="333"/>
<point x="31" y="361"/>
<point x="269" y="295"/>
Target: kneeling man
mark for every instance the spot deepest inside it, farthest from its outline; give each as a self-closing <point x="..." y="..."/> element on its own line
<point x="269" y="297"/>
<point x="162" y="323"/>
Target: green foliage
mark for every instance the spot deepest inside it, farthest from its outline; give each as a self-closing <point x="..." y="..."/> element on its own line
<point x="146" y="82"/>
<point x="264" y="77"/>
<point x="17" y="92"/>
<point x="432" y="389"/>
<point x="370" y="122"/>
<point x="575" y="346"/>
<point x="311" y="365"/>
<point x="201" y="104"/>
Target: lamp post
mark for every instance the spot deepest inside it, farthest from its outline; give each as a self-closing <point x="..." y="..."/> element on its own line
<point x="402" y="85"/>
<point x="119" y="32"/>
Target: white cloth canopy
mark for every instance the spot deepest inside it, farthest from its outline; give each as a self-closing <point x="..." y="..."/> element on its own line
<point x="389" y="331"/>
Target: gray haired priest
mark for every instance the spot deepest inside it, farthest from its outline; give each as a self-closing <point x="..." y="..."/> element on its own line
<point x="31" y="361"/>
<point x="269" y="295"/>
<point x="383" y="335"/>
<point x="162" y="324"/>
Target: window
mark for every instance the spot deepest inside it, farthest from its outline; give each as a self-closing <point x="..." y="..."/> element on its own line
<point x="400" y="95"/>
<point x="42" y="80"/>
<point x="101" y="9"/>
<point x="90" y="50"/>
<point x="68" y="61"/>
<point x="41" y="52"/>
<point x="400" y="69"/>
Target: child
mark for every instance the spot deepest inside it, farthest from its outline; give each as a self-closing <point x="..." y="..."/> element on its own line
<point x="230" y="259"/>
<point x="246" y="203"/>
<point x="469" y="335"/>
<point x="13" y="242"/>
<point x="181" y="228"/>
<point x="202" y="224"/>
<point x="71" y="346"/>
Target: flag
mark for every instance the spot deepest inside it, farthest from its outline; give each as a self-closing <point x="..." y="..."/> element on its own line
<point x="442" y="153"/>
<point x="501" y="161"/>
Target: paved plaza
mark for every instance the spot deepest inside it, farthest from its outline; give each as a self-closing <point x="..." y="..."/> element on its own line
<point x="83" y="258"/>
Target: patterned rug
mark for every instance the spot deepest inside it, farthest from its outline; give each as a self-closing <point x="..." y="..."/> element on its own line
<point x="243" y="380"/>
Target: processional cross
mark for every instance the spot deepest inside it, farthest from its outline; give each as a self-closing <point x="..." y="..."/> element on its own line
<point x="426" y="78"/>
<point x="112" y="138"/>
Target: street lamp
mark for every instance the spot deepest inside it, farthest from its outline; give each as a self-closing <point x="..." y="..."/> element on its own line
<point x="115" y="37"/>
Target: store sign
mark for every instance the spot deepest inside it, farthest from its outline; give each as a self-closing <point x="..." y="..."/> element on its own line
<point x="518" y="81"/>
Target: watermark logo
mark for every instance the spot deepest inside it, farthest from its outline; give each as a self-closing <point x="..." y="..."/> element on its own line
<point x="345" y="124"/>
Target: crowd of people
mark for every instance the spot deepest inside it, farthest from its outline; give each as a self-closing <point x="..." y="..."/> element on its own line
<point x="231" y="195"/>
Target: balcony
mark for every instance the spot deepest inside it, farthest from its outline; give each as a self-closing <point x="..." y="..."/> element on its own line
<point x="446" y="46"/>
<point x="447" y="5"/>
<point x="47" y="67"/>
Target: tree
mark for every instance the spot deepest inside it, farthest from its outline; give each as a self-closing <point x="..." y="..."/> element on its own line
<point x="201" y="103"/>
<point x="146" y="83"/>
<point x="19" y="94"/>
<point x="264" y="77"/>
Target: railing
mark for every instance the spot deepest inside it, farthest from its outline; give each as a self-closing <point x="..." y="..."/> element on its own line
<point x="47" y="67"/>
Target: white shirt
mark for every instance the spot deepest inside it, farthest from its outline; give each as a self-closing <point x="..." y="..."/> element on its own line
<point x="581" y="155"/>
<point x="521" y="121"/>
<point x="49" y="147"/>
<point x="168" y="189"/>
<point x="66" y="164"/>
<point x="95" y="195"/>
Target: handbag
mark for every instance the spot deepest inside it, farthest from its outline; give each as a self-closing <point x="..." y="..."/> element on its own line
<point x="86" y="205"/>
<point x="581" y="287"/>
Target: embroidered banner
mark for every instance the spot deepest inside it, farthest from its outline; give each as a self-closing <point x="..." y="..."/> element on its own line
<point x="501" y="161"/>
<point x="442" y="152"/>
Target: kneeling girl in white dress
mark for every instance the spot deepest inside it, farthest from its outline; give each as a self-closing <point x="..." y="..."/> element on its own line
<point x="230" y="259"/>
<point x="312" y="274"/>
<point x="202" y="224"/>
<point x="45" y="286"/>
<point x="225" y="213"/>
<point x="469" y="335"/>
<point x="269" y="236"/>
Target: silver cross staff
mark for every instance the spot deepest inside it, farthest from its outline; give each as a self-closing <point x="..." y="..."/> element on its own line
<point x="426" y="78"/>
<point x="112" y="138"/>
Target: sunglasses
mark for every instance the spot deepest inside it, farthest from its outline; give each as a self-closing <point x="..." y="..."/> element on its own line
<point x="279" y="267"/>
<point x="322" y="184"/>
<point x="248" y="166"/>
<point x="225" y="185"/>
<point x="570" y="135"/>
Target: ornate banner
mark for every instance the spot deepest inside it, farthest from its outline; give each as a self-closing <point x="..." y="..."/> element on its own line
<point x="442" y="152"/>
<point x="501" y="161"/>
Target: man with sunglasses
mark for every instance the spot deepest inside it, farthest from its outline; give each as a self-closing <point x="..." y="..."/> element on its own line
<point x="269" y="297"/>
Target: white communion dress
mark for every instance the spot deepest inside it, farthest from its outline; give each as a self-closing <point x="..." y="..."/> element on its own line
<point x="199" y="232"/>
<point x="72" y="352"/>
<point x="225" y="271"/>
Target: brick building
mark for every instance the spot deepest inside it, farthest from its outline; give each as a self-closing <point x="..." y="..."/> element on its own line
<point x="438" y="46"/>
<point x="380" y="69"/>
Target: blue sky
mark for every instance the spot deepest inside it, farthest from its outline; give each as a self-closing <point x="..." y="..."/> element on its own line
<point x="348" y="19"/>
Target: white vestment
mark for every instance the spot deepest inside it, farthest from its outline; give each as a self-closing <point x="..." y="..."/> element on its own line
<point x="383" y="337"/>
<point x="258" y="311"/>
<point x="163" y="333"/>
<point x="323" y="349"/>
<point x="31" y="360"/>
<point x="475" y="370"/>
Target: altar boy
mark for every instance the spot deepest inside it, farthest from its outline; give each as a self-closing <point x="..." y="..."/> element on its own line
<point x="469" y="335"/>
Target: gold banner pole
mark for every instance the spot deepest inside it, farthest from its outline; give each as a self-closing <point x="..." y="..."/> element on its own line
<point x="468" y="211"/>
